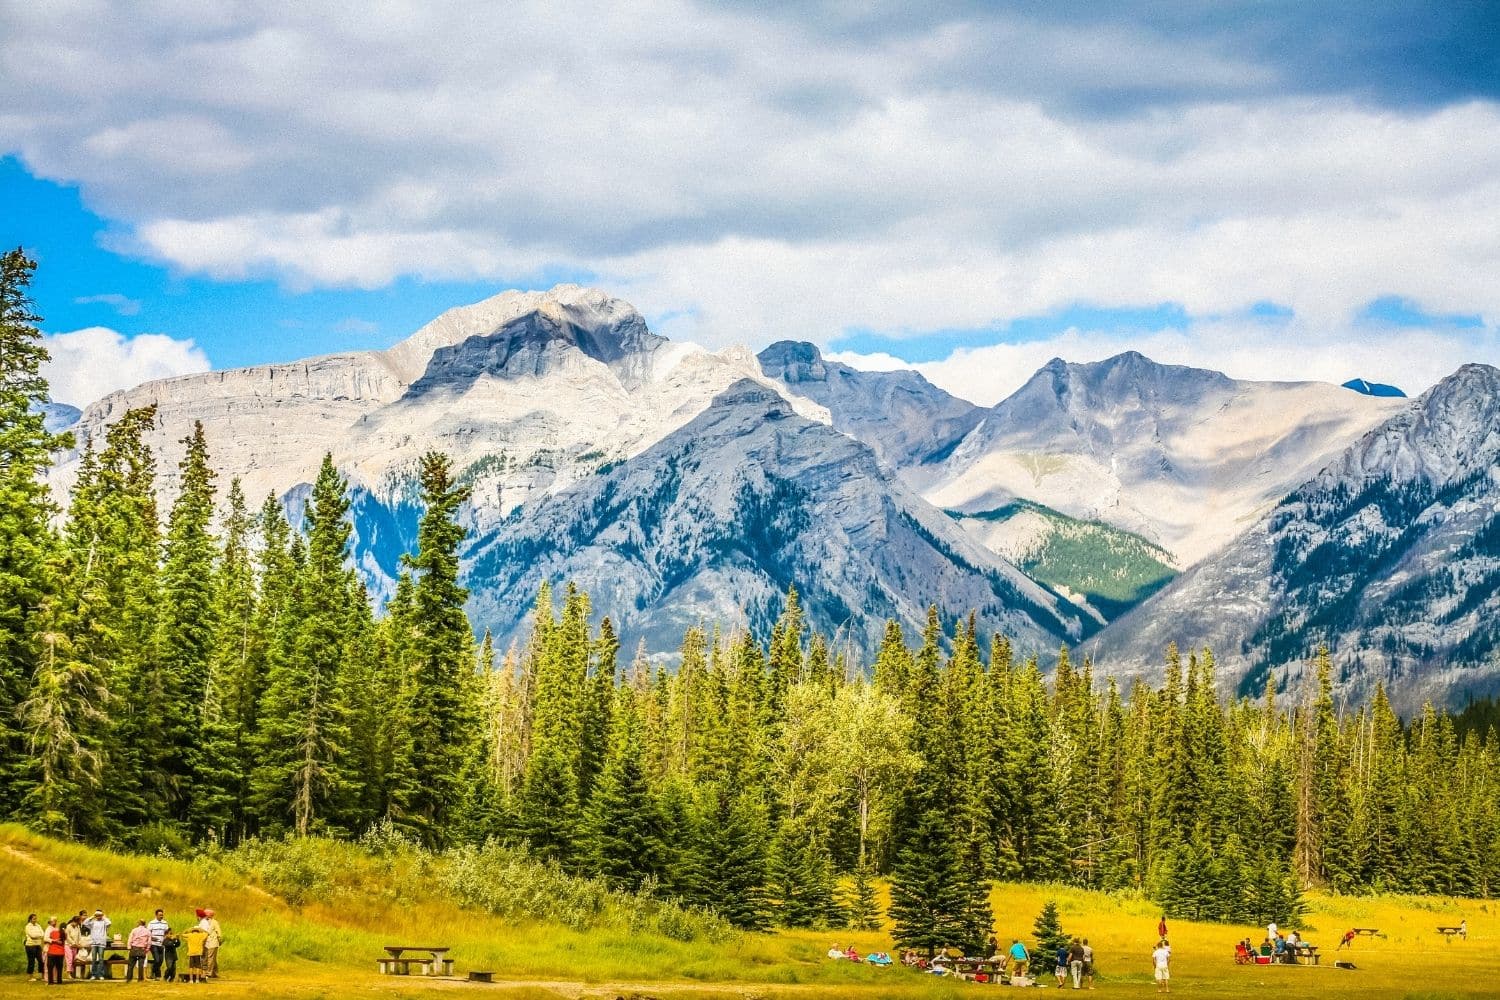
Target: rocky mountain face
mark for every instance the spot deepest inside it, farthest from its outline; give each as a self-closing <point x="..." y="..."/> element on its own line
<point x="681" y="485"/>
<point x="1390" y="555"/>
<point x="722" y="487"/>
<point x="907" y="420"/>
<point x="1184" y="457"/>
<point x="715" y="521"/>
<point x="527" y="392"/>
<point x="59" y="416"/>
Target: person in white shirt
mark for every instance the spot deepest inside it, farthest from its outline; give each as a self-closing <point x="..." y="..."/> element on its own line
<point x="158" y="928"/>
<point x="98" y="928"/>
<point x="1271" y="931"/>
<point x="1161" y="959"/>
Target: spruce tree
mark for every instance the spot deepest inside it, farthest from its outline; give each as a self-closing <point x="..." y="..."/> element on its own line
<point x="860" y="904"/>
<point x="172" y="710"/>
<point x="223" y="761"/>
<point x="26" y="540"/>
<point x="112" y="545"/>
<point x="64" y="726"/>
<point x="442" y="727"/>
<point x="624" y="829"/>
<point x="1047" y="935"/>
<point x="300" y="782"/>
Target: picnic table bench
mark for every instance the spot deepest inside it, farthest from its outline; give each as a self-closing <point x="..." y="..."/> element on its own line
<point x="984" y="970"/>
<point x="1367" y="932"/>
<point x="1306" y="953"/>
<point x="434" y="961"/>
<point x="1450" y="932"/>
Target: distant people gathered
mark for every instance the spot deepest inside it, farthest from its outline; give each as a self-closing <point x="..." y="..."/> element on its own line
<point x="87" y="947"/>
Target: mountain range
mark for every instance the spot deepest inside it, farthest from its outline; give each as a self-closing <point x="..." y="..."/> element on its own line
<point x="1114" y="506"/>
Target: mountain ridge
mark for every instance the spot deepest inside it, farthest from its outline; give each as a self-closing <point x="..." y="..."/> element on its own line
<point x="1390" y="554"/>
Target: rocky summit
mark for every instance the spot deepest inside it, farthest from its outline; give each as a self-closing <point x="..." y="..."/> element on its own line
<point x="680" y="485"/>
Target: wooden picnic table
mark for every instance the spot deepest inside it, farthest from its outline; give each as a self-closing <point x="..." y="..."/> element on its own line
<point x="1367" y="931"/>
<point x="1450" y="932"/>
<point x="437" y="962"/>
<point x="1308" y="952"/>
<point x="993" y="969"/>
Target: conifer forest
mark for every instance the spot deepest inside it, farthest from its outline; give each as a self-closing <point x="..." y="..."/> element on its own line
<point x="200" y="669"/>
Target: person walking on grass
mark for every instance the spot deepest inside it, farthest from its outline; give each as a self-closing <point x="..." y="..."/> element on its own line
<point x="139" y="946"/>
<point x="56" y="947"/>
<point x="32" y="940"/>
<point x="158" y="928"/>
<point x="1161" y="959"/>
<point x="98" y="932"/>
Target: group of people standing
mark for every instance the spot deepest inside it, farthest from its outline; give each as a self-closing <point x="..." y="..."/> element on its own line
<point x="84" y="947"/>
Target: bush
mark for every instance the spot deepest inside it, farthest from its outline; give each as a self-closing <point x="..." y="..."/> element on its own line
<point x="500" y="880"/>
<point x="161" y="840"/>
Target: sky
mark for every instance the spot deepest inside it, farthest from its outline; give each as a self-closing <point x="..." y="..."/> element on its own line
<point x="1272" y="189"/>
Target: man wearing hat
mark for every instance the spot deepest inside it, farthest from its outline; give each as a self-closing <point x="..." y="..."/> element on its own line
<point x="211" y="944"/>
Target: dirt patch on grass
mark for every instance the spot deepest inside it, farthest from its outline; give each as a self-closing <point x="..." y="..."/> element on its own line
<point x="27" y="859"/>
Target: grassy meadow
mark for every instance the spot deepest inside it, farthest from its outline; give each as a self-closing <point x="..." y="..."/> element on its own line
<point x="325" y="944"/>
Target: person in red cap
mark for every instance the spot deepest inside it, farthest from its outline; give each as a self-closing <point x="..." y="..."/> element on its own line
<point x="210" y="925"/>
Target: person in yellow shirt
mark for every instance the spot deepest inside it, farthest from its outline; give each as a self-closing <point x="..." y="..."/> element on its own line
<point x="195" y="937"/>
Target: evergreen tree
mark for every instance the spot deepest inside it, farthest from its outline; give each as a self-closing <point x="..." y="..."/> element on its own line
<point x="111" y="604"/>
<point x="625" y="844"/>
<point x="300" y="782"/>
<point x="860" y="903"/>
<point x="64" y="724"/>
<point x="171" y="709"/>
<point x="27" y="543"/>
<point x="224" y="761"/>
<point x="441" y="719"/>
<point x="1047" y="935"/>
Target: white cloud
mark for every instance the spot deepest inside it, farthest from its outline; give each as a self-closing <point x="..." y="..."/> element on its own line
<point x="748" y="174"/>
<point x="122" y="304"/>
<point x="90" y="363"/>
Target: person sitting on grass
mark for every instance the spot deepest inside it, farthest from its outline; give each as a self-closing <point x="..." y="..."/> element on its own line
<point x="852" y="955"/>
<point x="1241" y="953"/>
<point x="835" y="952"/>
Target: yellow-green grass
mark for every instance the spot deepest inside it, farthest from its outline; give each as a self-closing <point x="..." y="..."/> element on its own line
<point x="327" y="949"/>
